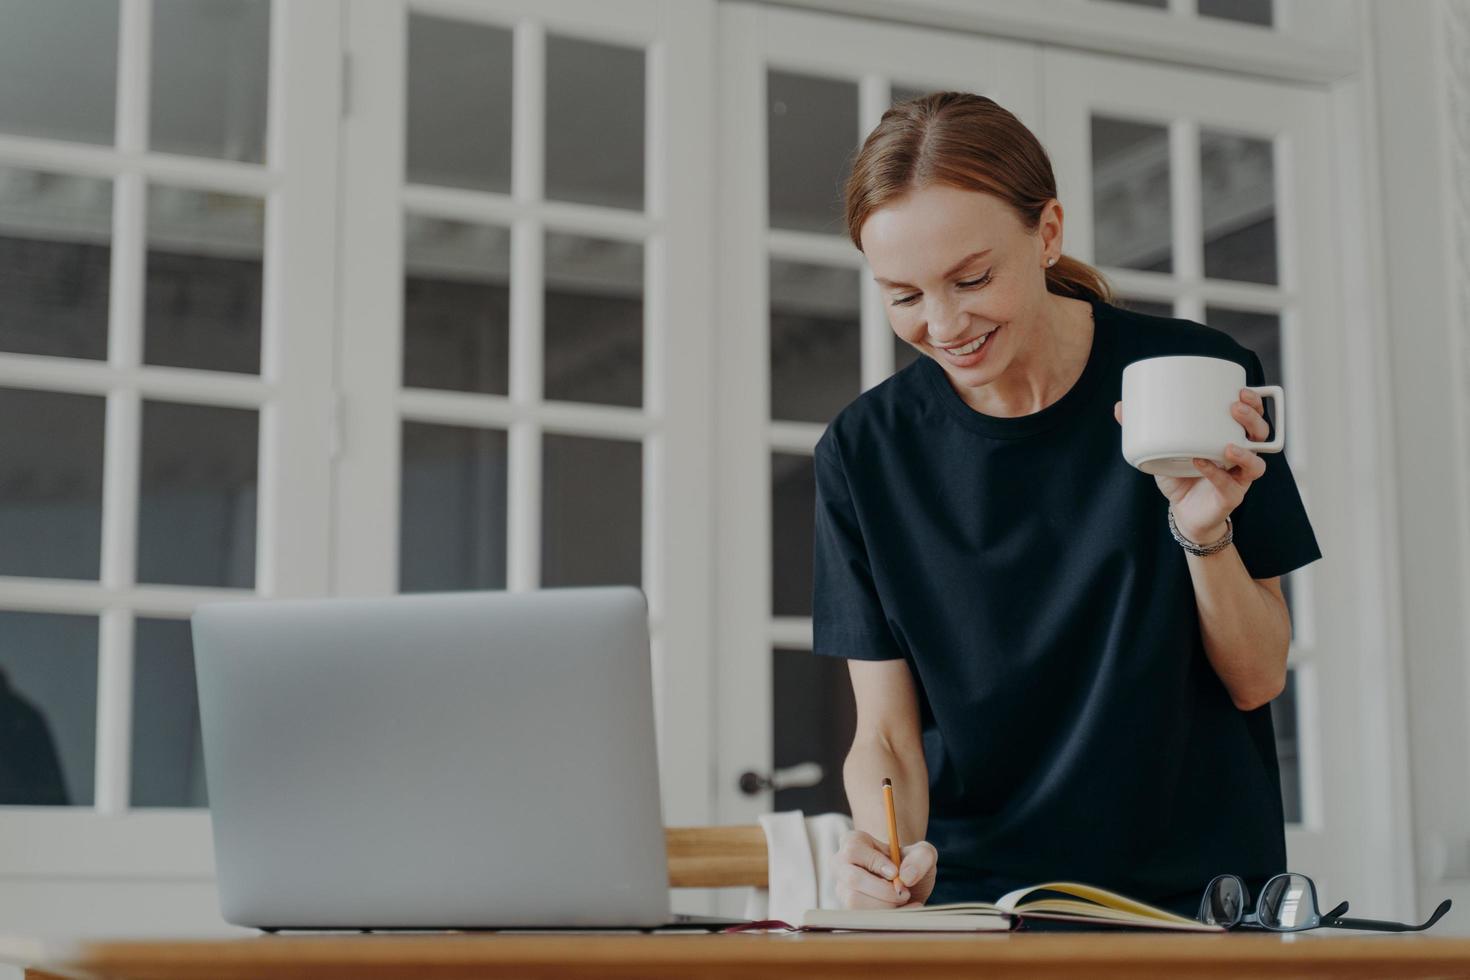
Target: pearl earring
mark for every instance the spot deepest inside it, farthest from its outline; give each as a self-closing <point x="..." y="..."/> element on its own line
<point x="1051" y="261"/>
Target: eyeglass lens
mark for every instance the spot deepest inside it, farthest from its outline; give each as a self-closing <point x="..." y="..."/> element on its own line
<point x="1224" y="902"/>
<point x="1287" y="903"/>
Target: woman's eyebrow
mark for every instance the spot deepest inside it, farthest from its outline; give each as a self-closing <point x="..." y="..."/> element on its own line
<point x="952" y="270"/>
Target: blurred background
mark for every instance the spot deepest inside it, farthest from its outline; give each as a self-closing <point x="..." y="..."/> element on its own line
<point x="354" y="297"/>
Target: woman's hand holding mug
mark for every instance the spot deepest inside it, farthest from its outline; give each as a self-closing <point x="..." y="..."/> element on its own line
<point x="1182" y="414"/>
<point x="864" y="873"/>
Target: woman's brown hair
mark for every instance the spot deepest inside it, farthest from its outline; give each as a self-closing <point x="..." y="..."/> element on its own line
<point x="970" y="142"/>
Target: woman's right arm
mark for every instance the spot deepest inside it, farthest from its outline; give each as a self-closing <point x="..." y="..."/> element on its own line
<point x="887" y="744"/>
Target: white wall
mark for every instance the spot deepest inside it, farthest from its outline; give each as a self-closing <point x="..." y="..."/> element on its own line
<point x="1421" y="55"/>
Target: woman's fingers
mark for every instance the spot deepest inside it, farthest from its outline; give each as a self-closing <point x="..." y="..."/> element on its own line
<point x="1118" y="412"/>
<point x="1249" y="466"/>
<point x="865" y="872"/>
<point x="1245" y="467"/>
<point x="863" y="890"/>
<point x="1220" y="478"/>
<point x="918" y="860"/>
<point x="866" y="878"/>
<point x="1249" y="413"/>
<point x="867" y="852"/>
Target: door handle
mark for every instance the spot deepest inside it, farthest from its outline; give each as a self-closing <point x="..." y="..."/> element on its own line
<point x="799" y="776"/>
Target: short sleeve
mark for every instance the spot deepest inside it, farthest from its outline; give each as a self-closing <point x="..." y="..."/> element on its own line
<point x="1272" y="533"/>
<point x="847" y="615"/>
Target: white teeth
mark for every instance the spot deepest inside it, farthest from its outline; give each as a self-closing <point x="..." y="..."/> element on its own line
<point x="969" y="348"/>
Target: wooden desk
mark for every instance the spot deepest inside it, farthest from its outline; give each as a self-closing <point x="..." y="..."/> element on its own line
<point x="774" y="956"/>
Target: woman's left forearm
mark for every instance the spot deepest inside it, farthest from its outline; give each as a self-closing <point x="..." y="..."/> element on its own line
<point x="1246" y="627"/>
<point x="1245" y="624"/>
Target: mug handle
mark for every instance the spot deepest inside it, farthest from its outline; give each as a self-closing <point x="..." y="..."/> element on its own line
<point x="1277" y="444"/>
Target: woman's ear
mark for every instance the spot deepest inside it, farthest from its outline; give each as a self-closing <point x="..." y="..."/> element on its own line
<point x="1049" y="227"/>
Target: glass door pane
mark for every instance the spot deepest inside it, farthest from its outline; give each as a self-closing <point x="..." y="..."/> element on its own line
<point x="793" y="488"/>
<point x="594" y="122"/>
<point x="51" y="484"/>
<point x="48" y="709"/>
<point x="211" y="71"/>
<point x="58" y="69"/>
<point x="812" y="132"/>
<point x="55" y="263"/>
<point x="1238" y="207"/>
<point x="1132" y="224"/>
<point x="816" y="340"/>
<point x="591" y="511"/>
<point x="197" y="495"/>
<point x="205" y="275"/>
<point x="593" y="320"/>
<point x="452" y="508"/>
<point x="458" y="72"/>
<point x="167" y="745"/>
<point x="456" y="306"/>
<point x="1258" y="12"/>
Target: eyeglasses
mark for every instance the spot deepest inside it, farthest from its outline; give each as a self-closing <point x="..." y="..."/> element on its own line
<point x="1288" y="904"/>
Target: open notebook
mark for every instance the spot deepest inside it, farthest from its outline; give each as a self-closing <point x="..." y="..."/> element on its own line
<point x="1072" y="902"/>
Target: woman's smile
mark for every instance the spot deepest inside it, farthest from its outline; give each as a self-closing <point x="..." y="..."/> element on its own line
<point x="970" y="354"/>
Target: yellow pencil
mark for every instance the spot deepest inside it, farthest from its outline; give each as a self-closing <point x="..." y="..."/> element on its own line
<point x="893" y="850"/>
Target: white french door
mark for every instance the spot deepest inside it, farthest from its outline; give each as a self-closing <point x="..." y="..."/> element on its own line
<point x="1209" y="197"/>
<point x="524" y="361"/>
<point x="1199" y="195"/>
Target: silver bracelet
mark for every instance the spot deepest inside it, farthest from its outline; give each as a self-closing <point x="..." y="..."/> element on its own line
<point x="1201" y="550"/>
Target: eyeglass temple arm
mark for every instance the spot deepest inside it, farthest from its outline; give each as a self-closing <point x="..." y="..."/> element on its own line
<point x="1340" y="909"/>
<point x="1339" y="923"/>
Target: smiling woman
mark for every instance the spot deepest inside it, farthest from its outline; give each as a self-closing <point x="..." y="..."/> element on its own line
<point x="959" y="315"/>
<point x="986" y="560"/>
<point x="913" y="209"/>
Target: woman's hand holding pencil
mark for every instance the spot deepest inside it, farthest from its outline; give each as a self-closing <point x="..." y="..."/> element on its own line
<point x="874" y="874"/>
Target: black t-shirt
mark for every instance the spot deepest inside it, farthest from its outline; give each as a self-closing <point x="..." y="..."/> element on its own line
<point x="1073" y="727"/>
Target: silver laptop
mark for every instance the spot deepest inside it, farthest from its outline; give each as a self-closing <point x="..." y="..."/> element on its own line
<point x="465" y="760"/>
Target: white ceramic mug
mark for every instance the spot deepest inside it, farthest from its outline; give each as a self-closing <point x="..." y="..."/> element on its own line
<point x="1178" y="408"/>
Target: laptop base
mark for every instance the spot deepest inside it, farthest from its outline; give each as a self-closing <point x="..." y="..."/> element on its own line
<point x="680" y="922"/>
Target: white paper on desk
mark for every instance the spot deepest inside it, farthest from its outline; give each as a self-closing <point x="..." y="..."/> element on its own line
<point x="36" y="952"/>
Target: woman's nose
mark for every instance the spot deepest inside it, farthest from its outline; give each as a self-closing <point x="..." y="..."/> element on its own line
<point x="947" y="323"/>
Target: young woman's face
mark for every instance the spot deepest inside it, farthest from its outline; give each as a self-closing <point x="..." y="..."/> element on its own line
<point x="955" y="267"/>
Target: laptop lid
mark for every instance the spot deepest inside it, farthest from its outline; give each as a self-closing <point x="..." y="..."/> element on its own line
<point x="440" y="760"/>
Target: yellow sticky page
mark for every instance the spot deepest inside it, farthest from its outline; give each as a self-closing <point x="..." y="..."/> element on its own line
<point x="1010" y="901"/>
